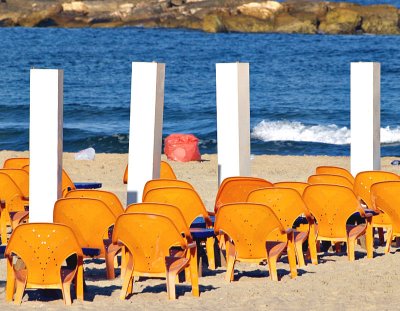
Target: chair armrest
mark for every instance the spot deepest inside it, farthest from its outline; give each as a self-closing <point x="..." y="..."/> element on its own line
<point x="370" y="211"/>
<point x="192" y="245"/>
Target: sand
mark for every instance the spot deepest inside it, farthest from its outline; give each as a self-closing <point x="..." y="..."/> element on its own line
<point x="335" y="283"/>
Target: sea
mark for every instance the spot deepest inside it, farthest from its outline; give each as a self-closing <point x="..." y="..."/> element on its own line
<point x="299" y="85"/>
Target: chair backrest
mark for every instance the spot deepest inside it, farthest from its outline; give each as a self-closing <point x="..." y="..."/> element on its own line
<point x="23" y="163"/>
<point x="237" y="189"/>
<point x="11" y="193"/>
<point x="66" y="183"/>
<point x="296" y="185"/>
<point x="170" y="211"/>
<point x="149" y="238"/>
<point x="109" y="198"/>
<point x="166" y="172"/>
<point x="16" y="163"/>
<point x="161" y="183"/>
<point x="331" y="205"/>
<point x="385" y="197"/>
<point x="43" y="247"/>
<point x="88" y="218"/>
<point x="187" y="200"/>
<point x="330" y="180"/>
<point x="249" y="225"/>
<point x="286" y="203"/>
<point x="335" y="170"/>
<point x="20" y="177"/>
<point x="364" y="181"/>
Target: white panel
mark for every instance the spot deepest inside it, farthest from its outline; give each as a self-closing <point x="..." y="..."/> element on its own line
<point x="365" y="117"/>
<point x="145" y="132"/>
<point x="45" y="142"/>
<point x="233" y="120"/>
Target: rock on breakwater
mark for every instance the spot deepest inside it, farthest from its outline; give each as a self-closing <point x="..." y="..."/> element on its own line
<point x="206" y="15"/>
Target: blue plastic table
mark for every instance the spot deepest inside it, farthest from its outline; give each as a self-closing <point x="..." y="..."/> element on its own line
<point x="88" y="185"/>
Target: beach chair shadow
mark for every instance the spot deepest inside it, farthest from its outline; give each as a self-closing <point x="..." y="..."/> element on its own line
<point x="91" y="291"/>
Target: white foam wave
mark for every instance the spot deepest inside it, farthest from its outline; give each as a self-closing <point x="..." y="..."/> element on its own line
<point x="328" y="134"/>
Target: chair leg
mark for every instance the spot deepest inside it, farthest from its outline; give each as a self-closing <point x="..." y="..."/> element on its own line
<point x="350" y="249"/>
<point x="230" y="261"/>
<point x="312" y="245"/>
<point x="3" y="225"/>
<point x="210" y="253"/>
<point x="19" y="292"/>
<point x="171" y="285"/>
<point x="292" y="258"/>
<point x="128" y="277"/>
<point x="272" y="268"/>
<point x="10" y="287"/>
<point x="194" y="275"/>
<point x="388" y="239"/>
<point x="110" y="265"/>
<point x="79" y="280"/>
<point x="369" y="239"/>
<point x="66" y="291"/>
<point x="299" y="253"/>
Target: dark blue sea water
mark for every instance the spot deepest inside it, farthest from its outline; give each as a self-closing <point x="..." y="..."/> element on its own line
<point x="300" y="85"/>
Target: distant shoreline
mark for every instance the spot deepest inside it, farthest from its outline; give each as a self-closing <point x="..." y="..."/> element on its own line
<point x="206" y="15"/>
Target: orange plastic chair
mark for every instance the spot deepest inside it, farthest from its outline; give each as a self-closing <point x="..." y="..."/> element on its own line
<point x="296" y="185"/>
<point x="13" y="205"/>
<point x="330" y="180"/>
<point x="332" y="205"/>
<point x="251" y="231"/>
<point x="335" y="170"/>
<point x="288" y="205"/>
<point x="385" y="197"/>
<point x="23" y="163"/>
<point x="161" y="183"/>
<point x="43" y="248"/>
<point x="109" y="198"/>
<point x="362" y="189"/>
<point x="16" y="163"/>
<point x="191" y="207"/>
<point x="91" y="221"/>
<point x="237" y="189"/>
<point x="21" y="179"/>
<point x="167" y="210"/>
<point x="166" y="172"/>
<point x="149" y="239"/>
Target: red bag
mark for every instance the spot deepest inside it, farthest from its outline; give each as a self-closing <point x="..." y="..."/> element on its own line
<point x="182" y="148"/>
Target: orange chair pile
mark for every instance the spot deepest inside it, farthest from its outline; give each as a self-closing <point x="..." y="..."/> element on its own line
<point x="166" y="172"/>
<point x="332" y="205"/>
<point x="385" y="197"/>
<point x="43" y="248"/>
<point x="149" y="250"/>
<point x="335" y="170"/>
<point x="288" y="206"/>
<point x="330" y="180"/>
<point x="362" y="189"/>
<point x="296" y="185"/>
<point x="91" y="221"/>
<point x="250" y="232"/>
<point x="190" y="204"/>
<point x="236" y="189"/>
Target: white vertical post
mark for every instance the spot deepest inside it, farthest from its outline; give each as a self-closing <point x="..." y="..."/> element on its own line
<point x="233" y="120"/>
<point x="145" y="132"/>
<point x="45" y="142"/>
<point x="365" y="117"/>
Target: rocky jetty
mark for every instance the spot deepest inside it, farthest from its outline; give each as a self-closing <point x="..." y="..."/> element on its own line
<point x="207" y="15"/>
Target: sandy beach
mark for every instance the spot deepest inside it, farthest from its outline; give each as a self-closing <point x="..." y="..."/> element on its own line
<point x="335" y="283"/>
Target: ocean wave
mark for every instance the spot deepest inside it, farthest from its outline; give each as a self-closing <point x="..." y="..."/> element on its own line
<point x="327" y="134"/>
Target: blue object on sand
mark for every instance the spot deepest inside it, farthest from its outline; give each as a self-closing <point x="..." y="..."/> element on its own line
<point x="200" y="223"/>
<point x="395" y="162"/>
<point x="201" y="233"/>
<point x="88" y="185"/>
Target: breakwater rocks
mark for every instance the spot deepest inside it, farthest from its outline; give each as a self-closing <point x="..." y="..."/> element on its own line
<point x="206" y="15"/>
